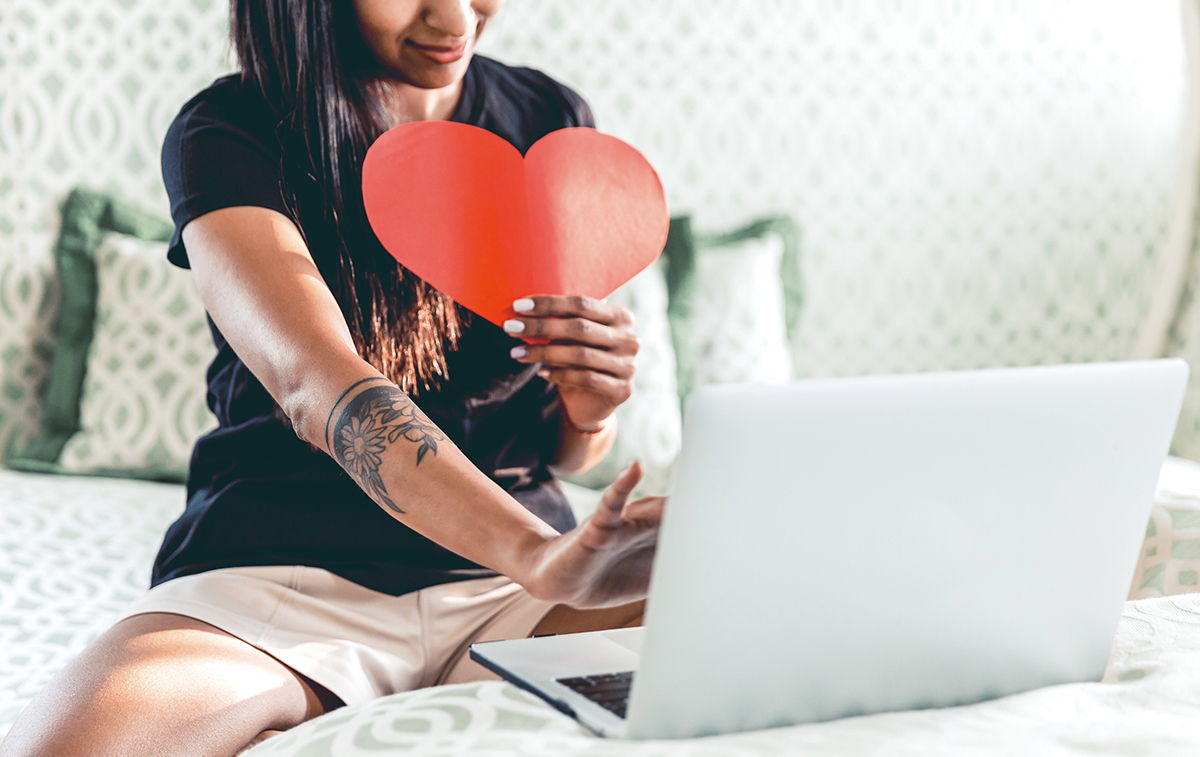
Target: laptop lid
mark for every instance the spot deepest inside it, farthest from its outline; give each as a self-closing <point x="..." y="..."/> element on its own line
<point x="848" y="546"/>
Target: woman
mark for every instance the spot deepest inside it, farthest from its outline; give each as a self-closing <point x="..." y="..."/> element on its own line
<point x="291" y="585"/>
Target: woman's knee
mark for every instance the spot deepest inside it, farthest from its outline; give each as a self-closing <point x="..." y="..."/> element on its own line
<point x="162" y="684"/>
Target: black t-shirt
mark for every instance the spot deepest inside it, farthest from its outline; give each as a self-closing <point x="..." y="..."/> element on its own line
<point x="257" y="494"/>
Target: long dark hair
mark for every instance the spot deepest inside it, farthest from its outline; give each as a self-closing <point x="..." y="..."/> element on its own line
<point x="312" y="66"/>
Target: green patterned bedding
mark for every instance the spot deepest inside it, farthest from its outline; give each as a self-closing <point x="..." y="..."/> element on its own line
<point x="74" y="550"/>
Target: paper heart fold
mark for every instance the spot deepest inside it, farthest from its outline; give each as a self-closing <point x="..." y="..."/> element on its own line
<point x="581" y="213"/>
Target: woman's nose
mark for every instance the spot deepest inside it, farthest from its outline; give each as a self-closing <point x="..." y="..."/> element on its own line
<point x="454" y="18"/>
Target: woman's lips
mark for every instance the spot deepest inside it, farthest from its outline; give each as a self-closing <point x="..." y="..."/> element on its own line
<point x="442" y="54"/>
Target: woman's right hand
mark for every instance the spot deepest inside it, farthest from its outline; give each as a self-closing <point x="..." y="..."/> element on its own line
<point x="605" y="561"/>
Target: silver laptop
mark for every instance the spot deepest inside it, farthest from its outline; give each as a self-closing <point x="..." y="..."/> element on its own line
<point x="849" y="546"/>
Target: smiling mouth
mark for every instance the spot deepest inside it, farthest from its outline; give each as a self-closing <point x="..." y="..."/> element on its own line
<point x="443" y="54"/>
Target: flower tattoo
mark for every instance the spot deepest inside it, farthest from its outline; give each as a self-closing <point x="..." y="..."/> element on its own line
<point x="365" y="439"/>
<point x="371" y="422"/>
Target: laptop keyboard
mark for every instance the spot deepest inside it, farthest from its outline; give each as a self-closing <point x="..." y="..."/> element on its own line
<point x="609" y="690"/>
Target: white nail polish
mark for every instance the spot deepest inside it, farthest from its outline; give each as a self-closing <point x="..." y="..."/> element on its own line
<point x="519" y="351"/>
<point x="523" y="305"/>
<point x="514" y="326"/>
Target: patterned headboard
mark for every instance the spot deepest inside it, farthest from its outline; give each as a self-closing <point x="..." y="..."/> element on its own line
<point x="978" y="183"/>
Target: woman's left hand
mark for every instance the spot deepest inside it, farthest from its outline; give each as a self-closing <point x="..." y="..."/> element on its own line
<point x="589" y="354"/>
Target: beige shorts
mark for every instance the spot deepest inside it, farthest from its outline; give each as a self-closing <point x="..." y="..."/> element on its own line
<point x="358" y="643"/>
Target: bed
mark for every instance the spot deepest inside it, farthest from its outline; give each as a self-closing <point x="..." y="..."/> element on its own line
<point x="74" y="550"/>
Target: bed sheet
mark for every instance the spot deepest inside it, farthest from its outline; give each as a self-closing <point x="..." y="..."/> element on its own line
<point x="73" y="552"/>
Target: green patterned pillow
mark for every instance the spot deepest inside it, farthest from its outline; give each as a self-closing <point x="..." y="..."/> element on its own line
<point x="126" y="394"/>
<point x="734" y="300"/>
<point x="143" y="403"/>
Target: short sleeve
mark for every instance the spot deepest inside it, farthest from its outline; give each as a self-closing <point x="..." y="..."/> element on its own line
<point x="220" y="152"/>
<point x="578" y="109"/>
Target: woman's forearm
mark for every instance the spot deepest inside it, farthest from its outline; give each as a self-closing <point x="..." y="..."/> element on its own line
<point x="411" y="469"/>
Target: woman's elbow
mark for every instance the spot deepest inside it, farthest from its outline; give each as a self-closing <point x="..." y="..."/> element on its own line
<point x="309" y="393"/>
<point x="299" y="409"/>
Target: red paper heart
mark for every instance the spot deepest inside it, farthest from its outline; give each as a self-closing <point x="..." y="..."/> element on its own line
<point x="582" y="213"/>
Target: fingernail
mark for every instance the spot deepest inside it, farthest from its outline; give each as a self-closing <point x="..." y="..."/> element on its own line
<point x="523" y="305"/>
<point x="519" y="351"/>
<point x="544" y="373"/>
<point x="514" y="326"/>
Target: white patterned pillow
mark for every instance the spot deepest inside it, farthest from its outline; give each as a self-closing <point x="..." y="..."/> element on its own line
<point x="648" y="427"/>
<point x="143" y="403"/>
<point x="737" y="332"/>
<point x="1169" y="562"/>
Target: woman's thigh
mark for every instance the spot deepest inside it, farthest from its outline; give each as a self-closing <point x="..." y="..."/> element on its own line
<point x="563" y="619"/>
<point x="164" y="684"/>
